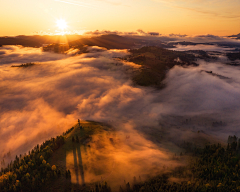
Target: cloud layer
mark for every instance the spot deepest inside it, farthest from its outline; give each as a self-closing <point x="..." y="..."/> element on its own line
<point x="43" y="100"/>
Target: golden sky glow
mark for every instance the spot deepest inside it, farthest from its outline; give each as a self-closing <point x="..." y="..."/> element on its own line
<point x="25" y="17"/>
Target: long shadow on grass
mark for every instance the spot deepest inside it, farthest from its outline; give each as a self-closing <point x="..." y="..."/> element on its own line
<point x="78" y="165"/>
<point x="75" y="162"/>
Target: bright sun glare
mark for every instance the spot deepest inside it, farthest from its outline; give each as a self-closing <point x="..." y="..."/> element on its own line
<point x="61" y="24"/>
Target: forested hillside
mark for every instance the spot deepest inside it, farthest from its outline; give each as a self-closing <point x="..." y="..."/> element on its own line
<point x="212" y="168"/>
<point x="155" y="63"/>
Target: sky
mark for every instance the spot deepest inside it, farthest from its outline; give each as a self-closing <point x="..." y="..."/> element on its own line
<point x="191" y="17"/>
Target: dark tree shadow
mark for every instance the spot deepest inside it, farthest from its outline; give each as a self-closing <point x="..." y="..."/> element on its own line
<point x="75" y="161"/>
<point x="78" y="165"/>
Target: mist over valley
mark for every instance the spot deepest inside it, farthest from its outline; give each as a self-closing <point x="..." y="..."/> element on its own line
<point x="140" y="99"/>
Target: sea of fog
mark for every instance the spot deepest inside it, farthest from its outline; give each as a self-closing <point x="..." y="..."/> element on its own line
<point x="46" y="99"/>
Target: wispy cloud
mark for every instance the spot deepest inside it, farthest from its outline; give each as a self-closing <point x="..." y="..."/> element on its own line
<point x="224" y="9"/>
<point x="82" y="4"/>
<point x="78" y="3"/>
<point x="111" y="2"/>
<point x="212" y="13"/>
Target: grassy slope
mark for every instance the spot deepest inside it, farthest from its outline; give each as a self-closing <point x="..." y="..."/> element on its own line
<point x="59" y="158"/>
<point x="78" y="157"/>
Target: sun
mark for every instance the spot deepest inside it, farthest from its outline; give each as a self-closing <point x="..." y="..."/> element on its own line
<point x="61" y="24"/>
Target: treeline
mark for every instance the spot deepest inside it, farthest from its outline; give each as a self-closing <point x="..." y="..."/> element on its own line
<point x="30" y="172"/>
<point x="212" y="168"/>
<point x="233" y="56"/>
<point x="101" y="188"/>
<point x="56" y="47"/>
<point x="24" y="65"/>
<point x="63" y="48"/>
<point x="216" y="168"/>
<point x="68" y="131"/>
<point x="155" y="62"/>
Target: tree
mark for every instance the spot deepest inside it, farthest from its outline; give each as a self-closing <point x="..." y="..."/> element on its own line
<point x="69" y="174"/>
<point x="54" y="168"/>
<point x="77" y="139"/>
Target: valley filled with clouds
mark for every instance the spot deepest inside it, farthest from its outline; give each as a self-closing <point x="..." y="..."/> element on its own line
<point x="43" y="100"/>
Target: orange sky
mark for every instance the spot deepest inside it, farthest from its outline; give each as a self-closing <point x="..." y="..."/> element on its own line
<point x="192" y="17"/>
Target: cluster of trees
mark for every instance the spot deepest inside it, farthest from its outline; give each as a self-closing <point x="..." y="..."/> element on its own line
<point x="68" y="131"/>
<point x="24" y="65"/>
<point x="30" y="172"/>
<point x="215" y="168"/>
<point x="233" y="56"/>
<point x="233" y="143"/>
<point x="6" y="155"/>
<point x="202" y="55"/>
<point x="56" y="47"/>
<point x="212" y="168"/>
<point x="101" y="188"/>
<point x="218" y="124"/>
<point x="191" y="148"/>
<point x="68" y="174"/>
<point x="62" y="48"/>
<point x="162" y="56"/>
<point x="155" y="63"/>
<point x="79" y="124"/>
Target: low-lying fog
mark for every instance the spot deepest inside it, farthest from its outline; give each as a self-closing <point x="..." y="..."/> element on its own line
<point x="202" y="47"/>
<point x="46" y="99"/>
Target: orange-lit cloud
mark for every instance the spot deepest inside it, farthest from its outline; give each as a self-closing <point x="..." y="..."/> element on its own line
<point x="43" y="100"/>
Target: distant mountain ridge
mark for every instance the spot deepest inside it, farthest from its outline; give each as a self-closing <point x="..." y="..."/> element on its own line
<point x="235" y="36"/>
<point x="107" y="41"/>
<point x="110" y="41"/>
<point x="37" y="40"/>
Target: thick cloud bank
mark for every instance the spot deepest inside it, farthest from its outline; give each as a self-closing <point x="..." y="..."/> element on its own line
<point x="43" y="100"/>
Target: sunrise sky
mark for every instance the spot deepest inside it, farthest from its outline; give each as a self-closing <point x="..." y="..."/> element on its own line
<point x="192" y="17"/>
